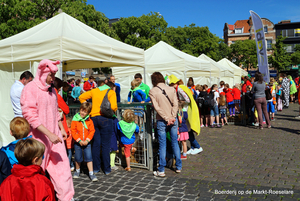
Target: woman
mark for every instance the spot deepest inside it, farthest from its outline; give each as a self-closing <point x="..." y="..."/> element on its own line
<point x="260" y="102"/>
<point x="184" y="95"/>
<point x="293" y="89"/>
<point x="103" y="125"/>
<point x="286" y="91"/>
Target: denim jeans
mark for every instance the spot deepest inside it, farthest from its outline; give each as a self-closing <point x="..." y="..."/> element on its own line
<point x="101" y="142"/>
<point x="69" y="152"/>
<point x="193" y="141"/>
<point x="87" y="152"/>
<point x="162" y="129"/>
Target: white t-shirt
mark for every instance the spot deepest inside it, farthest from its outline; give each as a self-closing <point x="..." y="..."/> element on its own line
<point x="220" y="89"/>
<point x="216" y="95"/>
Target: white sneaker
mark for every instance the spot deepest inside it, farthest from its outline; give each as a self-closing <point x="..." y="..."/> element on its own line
<point x="297" y="117"/>
<point x="197" y="151"/>
<point x="114" y="168"/>
<point x="72" y="169"/>
<point x="256" y="124"/>
<point x="189" y="151"/>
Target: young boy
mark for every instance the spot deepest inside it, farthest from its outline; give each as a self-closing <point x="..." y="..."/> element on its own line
<point x="28" y="181"/>
<point x="70" y="143"/>
<point x="271" y="102"/>
<point x="19" y="129"/>
<point x="82" y="129"/>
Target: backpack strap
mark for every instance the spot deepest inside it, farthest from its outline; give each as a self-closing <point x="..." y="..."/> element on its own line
<point x="164" y="93"/>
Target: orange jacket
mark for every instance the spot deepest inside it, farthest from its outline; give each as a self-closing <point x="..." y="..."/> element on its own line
<point x="79" y="132"/>
<point x="69" y="140"/>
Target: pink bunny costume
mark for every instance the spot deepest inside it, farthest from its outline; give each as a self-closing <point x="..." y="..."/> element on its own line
<point x="39" y="107"/>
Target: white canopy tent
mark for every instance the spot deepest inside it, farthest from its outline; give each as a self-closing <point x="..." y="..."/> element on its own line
<point x="166" y="59"/>
<point x="226" y="73"/>
<point x="61" y="38"/>
<point x="238" y="72"/>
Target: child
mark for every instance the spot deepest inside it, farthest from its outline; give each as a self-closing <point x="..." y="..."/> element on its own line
<point x="236" y="92"/>
<point x="183" y="130"/>
<point x="70" y="142"/>
<point x="136" y="94"/>
<point x="222" y="108"/>
<point x="28" y="181"/>
<point x="214" y="111"/>
<point x="271" y="102"/>
<point x="249" y="104"/>
<point x="222" y="85"/>
<point x="114" y="144"/>
<point x="204" y="110"/>
<point x="279" y="99"/>
<point x="19" y="128"/>
<point x="127" y="129"/>
<point x="82" y="129"/>
<point x="229" y="100"/>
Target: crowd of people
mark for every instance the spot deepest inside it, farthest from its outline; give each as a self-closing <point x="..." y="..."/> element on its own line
<point x="46" y="139"/>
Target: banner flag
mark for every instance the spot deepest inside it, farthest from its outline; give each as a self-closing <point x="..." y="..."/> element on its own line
<point x="261" y="47"/>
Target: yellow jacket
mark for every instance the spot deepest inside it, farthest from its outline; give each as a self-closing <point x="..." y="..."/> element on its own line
<point x="97" y="97"/>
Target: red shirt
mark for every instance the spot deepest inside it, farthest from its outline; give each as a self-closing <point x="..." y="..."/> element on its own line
<point x="236" y="94"/>
<point x="244" y="87"/>
<point x="87" y="86"/>
<point x="27" y="183"/>
<point x="228" y="94"/>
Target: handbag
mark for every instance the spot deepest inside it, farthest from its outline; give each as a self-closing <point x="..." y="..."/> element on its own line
<point x="105" y="108"/>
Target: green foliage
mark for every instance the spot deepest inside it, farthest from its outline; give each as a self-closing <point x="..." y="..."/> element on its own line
<point x="143" y="32"/>
<point x="197" y="40"/>
<point x="295" y="57"/>
<point x="19" y="15"/>
<point x="244" y="52"/>
<point x="280" y="58"/>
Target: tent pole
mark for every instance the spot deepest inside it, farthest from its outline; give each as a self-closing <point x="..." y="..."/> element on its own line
<point x="30" y="66"/>
<point x="210" y="78"/>
<point x="145" y="74"/>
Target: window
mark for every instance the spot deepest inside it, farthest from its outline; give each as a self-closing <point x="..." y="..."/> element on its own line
<point x="266" y="29"/>
<point x="269" y="44"/>
<point x="238" y="31"/>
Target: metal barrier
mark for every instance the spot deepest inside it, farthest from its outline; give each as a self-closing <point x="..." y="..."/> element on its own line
<point x="142" y="153"/>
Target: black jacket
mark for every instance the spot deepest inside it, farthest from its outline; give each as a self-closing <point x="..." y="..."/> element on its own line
<point x="5" y="167"/>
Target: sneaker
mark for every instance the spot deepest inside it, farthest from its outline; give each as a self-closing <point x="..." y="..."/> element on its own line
<point x="226" y="123"/>
<point x="269" y="126"/>
<point x="261" y="128"/>
<point x="206" y="125"/>
<point x="72" y="169"/>
<point x="222" y="124"/>
<point x="159" y="174"/>
<point x="256" y="124"/>
<point x="219" y="126"/>
<point x="297" y="117"/>
<point x="114" y="168"/>
<point x="197" y="151"/>
<point x="177" y="171"/>
<point x="211" y="126"/>
<point x="93" y="178"/>
<point x="273" y="119"/>
<point x="183" y="157"/>
<point x="202" y="126"/>
<point x="76" y="175"/>
<point x="264" y="122"/>
<point x="189" y="151"/>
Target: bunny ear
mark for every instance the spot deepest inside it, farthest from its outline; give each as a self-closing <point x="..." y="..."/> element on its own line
<point x="56" y="62"/>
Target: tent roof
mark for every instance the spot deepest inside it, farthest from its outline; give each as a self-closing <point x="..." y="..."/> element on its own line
<point x="226" y="71"/>
<point x="237" y="70"/>
<point x="65" y="38"/>
<point x="164" y="57"/>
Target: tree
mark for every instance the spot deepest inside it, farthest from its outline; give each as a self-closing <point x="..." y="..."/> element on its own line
<point x="280" y="58"/>
<point x="196" y="40"/>
<point x="244" y="53"/>
<point x="295" y="57"/>
<point x="143" y="32"/>
<point x="19" y="15"/>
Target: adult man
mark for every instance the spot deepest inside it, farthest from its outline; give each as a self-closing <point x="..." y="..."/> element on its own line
<point x="118" y="87"/>
<point x="40" y="109"/>
<point x="90" y="84"/>
<point x="16" y="90"/>
<point x="145" y="88"/>
<point x="165" y="103"/>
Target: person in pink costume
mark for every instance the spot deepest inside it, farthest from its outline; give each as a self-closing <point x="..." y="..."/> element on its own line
<point x="40" y="109"/>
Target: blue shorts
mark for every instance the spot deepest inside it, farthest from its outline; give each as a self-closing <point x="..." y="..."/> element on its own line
<point x="230" y="103"/>
<point x="237" y="101"/>
<point x="214" y="111"/>
<point x="271" y="107"/>
<point x="86" y="150"/>
<point x="223" y="111"/>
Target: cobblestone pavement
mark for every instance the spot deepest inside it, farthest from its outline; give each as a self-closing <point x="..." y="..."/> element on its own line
<point x="238" y="163"/>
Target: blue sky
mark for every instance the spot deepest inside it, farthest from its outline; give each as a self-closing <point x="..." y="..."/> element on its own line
<point x="211" y="13"/>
